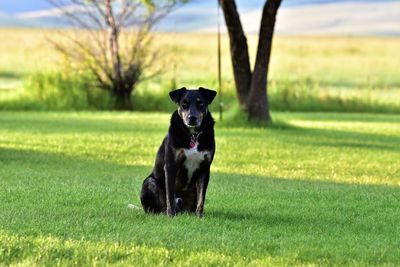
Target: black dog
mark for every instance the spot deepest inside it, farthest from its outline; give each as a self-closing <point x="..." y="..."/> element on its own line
<point x="180" y="176"/>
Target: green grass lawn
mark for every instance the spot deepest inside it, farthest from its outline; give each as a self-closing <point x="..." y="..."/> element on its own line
<point x="314" y="189"/>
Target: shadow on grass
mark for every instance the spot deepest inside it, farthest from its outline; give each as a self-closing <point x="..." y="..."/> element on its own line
<point x="238" y="119"/>
<point x="346" y="117"/>
<point x="344" y="139"/>
<point x="287" y="132"/>
<point x="10" y="75"/>
<point x="57" y="123"/>
<point x="74" y="198"/>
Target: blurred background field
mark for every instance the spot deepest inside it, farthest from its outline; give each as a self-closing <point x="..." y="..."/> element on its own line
<point x="328" y="73"/>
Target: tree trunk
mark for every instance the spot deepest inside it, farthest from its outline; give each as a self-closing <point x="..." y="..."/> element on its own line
<point x="239" y="50"/>
<point x="257" y="102"/>
<point x="123" y="101"/>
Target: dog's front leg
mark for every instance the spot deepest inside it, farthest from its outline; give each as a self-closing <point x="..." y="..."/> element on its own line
<point x="201" y="188"/>
<point x="170" y="173"/>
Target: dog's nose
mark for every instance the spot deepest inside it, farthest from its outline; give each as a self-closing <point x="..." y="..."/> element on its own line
<point x="192" y="119"/>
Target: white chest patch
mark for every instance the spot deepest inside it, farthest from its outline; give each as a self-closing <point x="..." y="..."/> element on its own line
<point x="193" y="160"/>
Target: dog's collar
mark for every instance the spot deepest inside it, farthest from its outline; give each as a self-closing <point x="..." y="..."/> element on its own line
<point x="194" y="139"/>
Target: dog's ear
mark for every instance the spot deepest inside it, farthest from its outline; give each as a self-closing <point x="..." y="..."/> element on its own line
<point x="208" y="94"/>
<point x="177" y="94"/>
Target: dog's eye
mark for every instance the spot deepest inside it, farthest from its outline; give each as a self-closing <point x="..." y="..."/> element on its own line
<point x="185" y="105"/>
<point x="200" y="104"/>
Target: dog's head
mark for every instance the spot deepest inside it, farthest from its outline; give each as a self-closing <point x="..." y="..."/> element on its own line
<point x="192" y="104"/>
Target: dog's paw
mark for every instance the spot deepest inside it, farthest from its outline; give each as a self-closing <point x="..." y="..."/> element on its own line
<point x="171" y="213"/>
<point x="178" y="204"/>
<point x="200" y="214"/>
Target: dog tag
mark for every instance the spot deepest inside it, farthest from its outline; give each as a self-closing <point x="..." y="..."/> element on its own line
<point x="193" y="144"/>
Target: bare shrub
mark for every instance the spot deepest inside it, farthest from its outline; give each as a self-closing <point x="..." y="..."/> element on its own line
<point x="112" y="41"/>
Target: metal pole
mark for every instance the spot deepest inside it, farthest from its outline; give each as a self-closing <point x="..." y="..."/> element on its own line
<point x="219" y="62"/>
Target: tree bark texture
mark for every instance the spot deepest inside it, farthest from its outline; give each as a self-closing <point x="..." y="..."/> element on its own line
<point x="239" y="50"/>
<point x="257" y="102"/>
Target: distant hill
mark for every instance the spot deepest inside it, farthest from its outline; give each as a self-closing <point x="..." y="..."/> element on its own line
<point x="12" y="21"/>
<point x="366" y="17"/>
